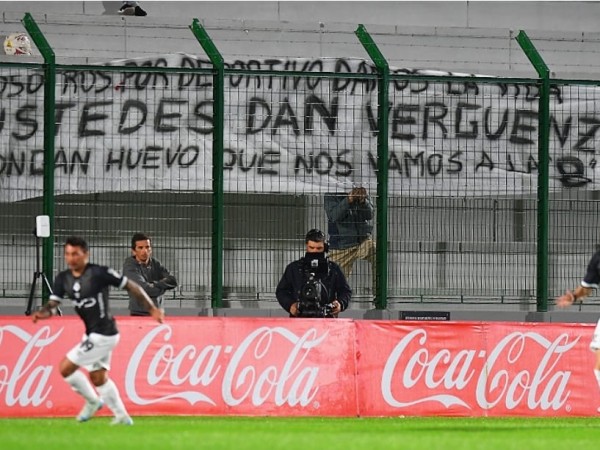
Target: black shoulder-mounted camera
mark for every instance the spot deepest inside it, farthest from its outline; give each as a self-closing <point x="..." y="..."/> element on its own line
<point x="311" y="302"/>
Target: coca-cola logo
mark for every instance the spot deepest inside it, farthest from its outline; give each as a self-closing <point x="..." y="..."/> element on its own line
<point x="291" y="381"/>
<point x="540" y="385"/>
<point x="26" y="383"/>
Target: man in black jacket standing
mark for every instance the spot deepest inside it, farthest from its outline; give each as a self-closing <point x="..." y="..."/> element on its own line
<point x="148" y="272"/>
<point x="313" y="279"/>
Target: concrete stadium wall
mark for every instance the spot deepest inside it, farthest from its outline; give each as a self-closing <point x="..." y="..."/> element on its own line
<point x="461" y="36"/>
<point x="543" y="15"/>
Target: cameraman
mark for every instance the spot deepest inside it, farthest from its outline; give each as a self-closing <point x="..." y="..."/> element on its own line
<point x="314" y="267"/>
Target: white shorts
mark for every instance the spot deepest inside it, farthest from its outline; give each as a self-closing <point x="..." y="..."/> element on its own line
<point x="595" y="344"/>
<point x="94" y="351"/>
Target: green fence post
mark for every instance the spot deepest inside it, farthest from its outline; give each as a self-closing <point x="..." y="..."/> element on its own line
<point x="218" y="188"/>
<point x="544" y="169"/>
<point x="49" y="136"/>
<point x="383" y="71"/>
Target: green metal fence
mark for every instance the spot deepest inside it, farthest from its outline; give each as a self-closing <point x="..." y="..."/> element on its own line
<point x="479" y="197"/>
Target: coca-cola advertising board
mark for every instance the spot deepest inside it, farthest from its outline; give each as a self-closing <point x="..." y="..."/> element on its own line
<point x="475" y="369"/>
<point x="303" y="367"/>
<point x="188" y="366"/>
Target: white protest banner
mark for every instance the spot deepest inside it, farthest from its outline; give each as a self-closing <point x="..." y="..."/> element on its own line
<point x="118" y="131"/>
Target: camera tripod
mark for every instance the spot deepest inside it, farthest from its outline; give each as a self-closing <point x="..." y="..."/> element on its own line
<point x="38" y="274"/>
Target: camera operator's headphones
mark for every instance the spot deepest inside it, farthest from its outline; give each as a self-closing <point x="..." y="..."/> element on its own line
<point x="317" y="235"/>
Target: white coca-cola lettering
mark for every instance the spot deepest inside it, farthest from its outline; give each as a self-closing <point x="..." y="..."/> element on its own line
<point x="202" y="373"/>
<point x="420" y="358"/>
<point x="291" y="384"/>
<point x="523" y="384"/>
<point x="301" y="390"/>
<point x="541" y="386"/>
<point x="26" y="384"/>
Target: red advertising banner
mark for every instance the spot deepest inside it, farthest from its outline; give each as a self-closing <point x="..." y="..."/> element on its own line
<point x="475" y="369"/>
<point x="188" y="366"/>
<point x="302" y="367"/>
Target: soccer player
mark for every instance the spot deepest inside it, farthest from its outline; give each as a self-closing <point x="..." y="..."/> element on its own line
<point x="590" y="281"/>
<point x="86" y="285"/>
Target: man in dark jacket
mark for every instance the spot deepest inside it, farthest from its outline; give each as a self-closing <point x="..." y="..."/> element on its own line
<point x="316" y="277"/>
<point x="350" y="230"/>
<point x="148" y="272"/>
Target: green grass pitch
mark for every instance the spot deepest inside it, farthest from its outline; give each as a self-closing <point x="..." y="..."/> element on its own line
<point x="430" y="433"/>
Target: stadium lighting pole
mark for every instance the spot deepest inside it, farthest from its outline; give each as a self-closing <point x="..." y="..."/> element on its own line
<point x="543" y="168"/>
<point x="218" y="147"/>
<point x="383" y="71"/>
<point x="49" y="136"/>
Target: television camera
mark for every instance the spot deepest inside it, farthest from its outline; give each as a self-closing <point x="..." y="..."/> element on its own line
<point x="312" y="303"/>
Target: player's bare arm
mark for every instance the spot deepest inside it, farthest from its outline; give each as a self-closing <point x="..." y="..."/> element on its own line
<point x="570" y="297"/>
<point x="46" y="311"/>
<point x="142" y="298"/>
